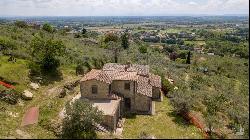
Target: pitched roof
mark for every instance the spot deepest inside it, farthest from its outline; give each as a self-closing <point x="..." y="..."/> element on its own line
<point x="155" y="80"/>
<point x="97" y="75"/>
<point x="138" y="73"/>
<point x="143" y="86"/>
<point x="113" y="67"/>
<point x="140" y="69"/>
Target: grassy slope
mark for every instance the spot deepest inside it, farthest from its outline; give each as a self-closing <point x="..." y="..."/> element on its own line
<point x="14" y="72"/>
<point x="49" y="104"/>
<point x="164" y="124"/>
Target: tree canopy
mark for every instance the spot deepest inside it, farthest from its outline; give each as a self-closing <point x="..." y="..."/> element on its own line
<point x="45" y="52"/>
<point x="80" y="119"/>
<point x="47" y="27"/>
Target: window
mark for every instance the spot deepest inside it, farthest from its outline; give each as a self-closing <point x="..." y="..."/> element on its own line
<point x="94" y="89"/>
<point x="127" y="86"/>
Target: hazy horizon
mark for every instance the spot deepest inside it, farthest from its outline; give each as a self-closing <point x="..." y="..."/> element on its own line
<point x="81" y="8"/>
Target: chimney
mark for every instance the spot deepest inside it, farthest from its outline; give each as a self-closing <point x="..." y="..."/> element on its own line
<point x="128" y="65"/>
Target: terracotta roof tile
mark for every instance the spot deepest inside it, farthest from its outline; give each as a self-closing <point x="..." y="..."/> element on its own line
<point x="113" y="67"/>
<point x="140" y="69"/>
<point x="143" y="86"/>
<point x="138" y="73"/>
<point x="155" y="80"/>
<point x="97" y="75"/>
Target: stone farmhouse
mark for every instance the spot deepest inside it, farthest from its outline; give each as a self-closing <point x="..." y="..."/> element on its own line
<point x="118" y="89"/>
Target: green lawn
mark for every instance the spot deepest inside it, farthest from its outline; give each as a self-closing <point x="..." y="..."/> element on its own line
<point x="164" y="124"/>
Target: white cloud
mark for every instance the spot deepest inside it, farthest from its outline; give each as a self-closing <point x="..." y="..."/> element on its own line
<point x="121" y="7"/>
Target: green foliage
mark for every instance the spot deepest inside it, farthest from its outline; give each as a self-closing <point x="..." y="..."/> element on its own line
<point x="182" y="54"/>
<point x="45" y="52"/>
<point x="182" y="101"/>
<point x="214" y="104"/>
<point x="143" y="49"/>
<point x="79" y="69"/>
<point x="84" y="31"/>
<point x="110" y="37"/>
<point x="47" y="27"/>
<point x="7" y="45"/>
<point x="80" y="119"/>
<point x="170" y="48"/>
<point x="181" y="61"/>
<point x="21" y="24"/>
<point x="166" y="85"/>
<point x="125" y="40"/>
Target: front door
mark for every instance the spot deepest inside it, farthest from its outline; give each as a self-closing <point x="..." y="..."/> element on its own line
<point x="127" y="103"/>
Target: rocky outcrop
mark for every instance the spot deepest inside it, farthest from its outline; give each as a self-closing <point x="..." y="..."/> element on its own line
<point x="27" y="95"/>
<point x="68" y="88"/>
<point x="71" y="85"/>
<point x="34" y="86"/>
<point x="62" y="93"/>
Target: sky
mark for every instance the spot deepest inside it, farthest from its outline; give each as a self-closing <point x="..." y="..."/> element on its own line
<point x="122" y="7"/>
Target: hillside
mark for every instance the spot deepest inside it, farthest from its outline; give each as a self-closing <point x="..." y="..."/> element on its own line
<point x="208" y="80"/>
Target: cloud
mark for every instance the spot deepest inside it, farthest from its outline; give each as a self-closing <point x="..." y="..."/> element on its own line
<point x="192" y="3"/>
<point x="121" y="7"/>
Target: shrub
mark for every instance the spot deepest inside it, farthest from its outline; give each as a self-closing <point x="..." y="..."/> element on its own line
<point x="143" y="49"/>
<point x="45" y="52"/>
<point x="47" y="27"/>
<point x="182" y="61"/>
<point x="166" y="85"/>
<point x="79" y="69"/>
<point x="182" y="102"/>
<point x="21" y="24"/>
<point x="110" y="37"/>
<point x="125" y="40"/>
<point x="80" y="119"/>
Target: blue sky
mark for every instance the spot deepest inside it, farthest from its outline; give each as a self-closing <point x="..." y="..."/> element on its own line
<point x="121" y="7"/>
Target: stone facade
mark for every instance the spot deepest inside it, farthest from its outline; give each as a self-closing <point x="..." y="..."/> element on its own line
<point x="134" y="86"/>
<point x="138" y="103"/>
<point x="102" y="89"/>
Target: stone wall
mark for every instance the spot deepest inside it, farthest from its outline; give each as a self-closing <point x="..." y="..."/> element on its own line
<point x="139" y="103"/>
<point x="102" y="89"/>
<point x="156" y="93"/>
<point x="143" y="104"/>
<point x="118" y="86"/>
<point x="110" y="121"/>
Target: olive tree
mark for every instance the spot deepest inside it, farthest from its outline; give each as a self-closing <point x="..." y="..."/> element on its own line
<point x="45" y="52"/>
<point x="80" y="119"/>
